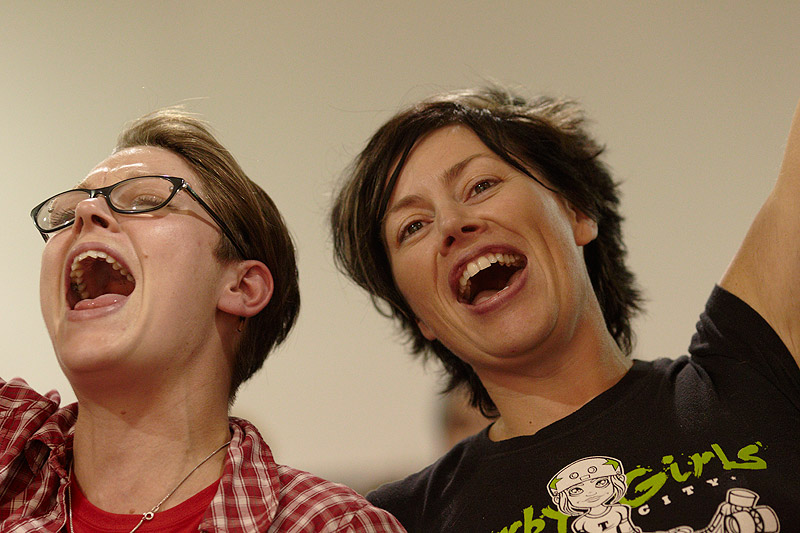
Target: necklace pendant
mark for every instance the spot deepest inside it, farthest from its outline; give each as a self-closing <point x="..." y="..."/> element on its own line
<point x="148" y="515"/>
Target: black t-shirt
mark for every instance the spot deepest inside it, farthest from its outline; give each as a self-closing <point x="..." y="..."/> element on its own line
<point x="705" y="443"/>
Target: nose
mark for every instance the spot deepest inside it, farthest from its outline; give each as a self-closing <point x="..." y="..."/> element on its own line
<point x="94" y="212"/>
<point x="457" y="225"/>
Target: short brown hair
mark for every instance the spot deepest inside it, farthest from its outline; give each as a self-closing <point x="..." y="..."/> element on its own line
<point x="250" y="214"/>
<point x="546" y="135"/>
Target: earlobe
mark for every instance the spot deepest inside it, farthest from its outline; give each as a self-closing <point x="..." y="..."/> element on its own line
<point x="249" y="291"/>
<point x="426" y="331"/>
<point x="586" y="231"/>
<point x="584" y="227"/>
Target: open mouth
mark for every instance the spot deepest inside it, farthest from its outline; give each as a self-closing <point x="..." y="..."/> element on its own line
<point x="93" y="274"/>
<point x="487" y="275"/>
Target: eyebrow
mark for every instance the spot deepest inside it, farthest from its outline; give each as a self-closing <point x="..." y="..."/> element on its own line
<point x="447" y="177"/>
<point x="125" y="175"/>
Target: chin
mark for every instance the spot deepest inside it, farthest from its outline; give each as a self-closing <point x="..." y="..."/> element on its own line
<point x="83" y="353"/>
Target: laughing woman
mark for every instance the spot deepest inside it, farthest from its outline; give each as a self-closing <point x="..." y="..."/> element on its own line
<point x="488" y="228"/>
<point x="167" y="277"/>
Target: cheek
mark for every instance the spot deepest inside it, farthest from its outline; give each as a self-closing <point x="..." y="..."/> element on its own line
<point x="50" y="268"/>
<point x="51" y="283"/>
<point x="411" y="276"/>
<point x="404" y="283"/>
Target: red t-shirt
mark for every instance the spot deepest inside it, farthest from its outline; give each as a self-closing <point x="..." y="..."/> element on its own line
<point x="183" y="518"/>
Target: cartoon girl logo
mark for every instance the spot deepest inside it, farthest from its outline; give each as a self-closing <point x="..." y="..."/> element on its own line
<point x="591" y="489"/>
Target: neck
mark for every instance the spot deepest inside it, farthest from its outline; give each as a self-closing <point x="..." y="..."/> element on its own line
<point x="132" y="448"/>
<point x="553" y="387"/>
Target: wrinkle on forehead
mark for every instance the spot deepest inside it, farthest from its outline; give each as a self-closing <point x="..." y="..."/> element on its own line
<point x="128" y="170"/>
<point x="138" y="161"/>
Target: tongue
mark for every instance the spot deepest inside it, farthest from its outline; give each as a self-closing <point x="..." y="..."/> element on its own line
<point x="101" y="301"/>
<point x="484" y="295"/>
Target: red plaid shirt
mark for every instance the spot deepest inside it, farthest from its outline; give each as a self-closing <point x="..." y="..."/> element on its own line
<point x="255" y="494"/>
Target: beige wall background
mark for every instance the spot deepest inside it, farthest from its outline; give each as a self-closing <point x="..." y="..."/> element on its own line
<point x="693" y="100"/>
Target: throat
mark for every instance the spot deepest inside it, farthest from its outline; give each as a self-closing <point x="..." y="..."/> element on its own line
<point x="488" y="283"/>
<point x="96" y="280"/>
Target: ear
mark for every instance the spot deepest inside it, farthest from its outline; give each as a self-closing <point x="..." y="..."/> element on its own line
<point x="425" y="330"/>
<point x="584" y="227"/>
<point x="248" y="289"/>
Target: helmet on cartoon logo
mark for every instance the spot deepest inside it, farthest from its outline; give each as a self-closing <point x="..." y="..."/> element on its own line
<point x="584" y="470"/>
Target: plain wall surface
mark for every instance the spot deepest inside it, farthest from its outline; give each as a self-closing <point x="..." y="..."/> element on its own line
<point x="692" y="99"/>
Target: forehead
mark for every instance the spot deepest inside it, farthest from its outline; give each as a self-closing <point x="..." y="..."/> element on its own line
<point x="139" y="161"/>
<point x="440" y="151"/>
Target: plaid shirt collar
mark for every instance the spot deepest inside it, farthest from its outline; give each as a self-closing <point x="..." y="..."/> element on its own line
<point x="247" y="497"/>
<point x="52" y="442"/>
<point x="254" y="493"/>
<point x="248" y="493"/>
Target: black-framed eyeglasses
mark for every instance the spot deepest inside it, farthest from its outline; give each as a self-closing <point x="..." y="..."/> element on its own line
<point x="132" y="196"/>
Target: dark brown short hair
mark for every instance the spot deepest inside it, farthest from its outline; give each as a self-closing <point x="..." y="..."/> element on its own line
<point x="250" y="214"/>
<point x="544" y="134"/>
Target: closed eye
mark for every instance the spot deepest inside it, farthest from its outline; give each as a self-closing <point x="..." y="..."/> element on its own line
<point x="61" y="216"/>
<point x="146" y="201"/>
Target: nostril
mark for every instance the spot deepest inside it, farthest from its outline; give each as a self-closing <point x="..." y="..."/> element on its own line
<point x="100" y="221"/>
<point x="468" y="228"/>
<point x="449" y="240"/>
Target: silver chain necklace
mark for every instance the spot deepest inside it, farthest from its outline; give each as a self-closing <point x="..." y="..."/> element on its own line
<point x="146" y="517"/>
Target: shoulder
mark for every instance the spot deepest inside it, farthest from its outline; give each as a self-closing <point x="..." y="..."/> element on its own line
<point x="26" y="414"/>
<point x="741" y="352"/>
<point x="728" y="318"/>
<point x="415" y="497"/>
<point x="17" y="395"/>
<point x="321" y="505"/>
<point x="257" y="494"/>
<point x="35" y="438"/>
<point x="729" y="328"/>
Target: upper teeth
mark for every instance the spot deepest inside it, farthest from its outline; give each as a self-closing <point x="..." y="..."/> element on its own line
<point x="76" y="272"/>
<point x="483" y="262"/>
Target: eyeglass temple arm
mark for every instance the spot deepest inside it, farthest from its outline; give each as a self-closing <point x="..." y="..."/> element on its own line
<point x="222" y="226"/>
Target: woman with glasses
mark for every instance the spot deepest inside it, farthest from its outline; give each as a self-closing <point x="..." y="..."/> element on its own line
<point x="167" y="277"/>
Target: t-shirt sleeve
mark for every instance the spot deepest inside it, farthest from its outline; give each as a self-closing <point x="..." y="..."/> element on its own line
<point x="732" y="335"/>
<point x="399" y="498"/>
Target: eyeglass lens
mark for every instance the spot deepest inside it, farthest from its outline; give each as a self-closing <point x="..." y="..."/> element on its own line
<point x="135" y="195"/>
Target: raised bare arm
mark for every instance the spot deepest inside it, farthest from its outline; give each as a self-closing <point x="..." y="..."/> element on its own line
<point x="765" y="272"/>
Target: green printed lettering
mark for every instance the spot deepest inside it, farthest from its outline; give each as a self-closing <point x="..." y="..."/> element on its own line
<point x="700" y="459"/>
<point x="745" y="454"/>
<point x="530" y="523"/>
<point x="748" y="454"/>
<point x="560" y="518"/>
<point x="636" y="472"/>
<point x="648" y="488"/>
<point x="674" y="469"/>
